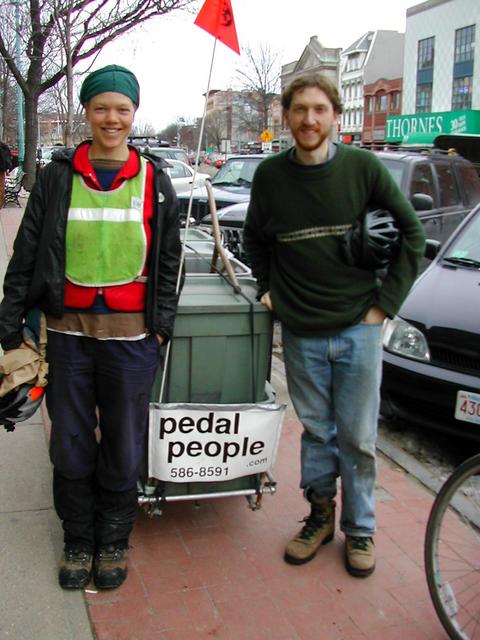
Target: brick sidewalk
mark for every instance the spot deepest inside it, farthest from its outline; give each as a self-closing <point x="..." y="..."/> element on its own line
<point x="215" y="570"/>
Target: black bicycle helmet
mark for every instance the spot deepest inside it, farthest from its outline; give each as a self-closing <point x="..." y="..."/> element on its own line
<point x="19" y="404"/>
<point x="372" y="242"/>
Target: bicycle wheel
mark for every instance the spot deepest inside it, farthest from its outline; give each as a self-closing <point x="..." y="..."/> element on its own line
<point x="452" y="552"/>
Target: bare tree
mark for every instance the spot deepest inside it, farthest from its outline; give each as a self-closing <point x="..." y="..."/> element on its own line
<point x="86" y="26"/>
<point x="7" y="89"/>
<point x="143" y="128"/>
<point x="71" y="125"/>
<point x="215" y="128"/>
<point x="169" y="133"/>
<point x="261" y="77"/>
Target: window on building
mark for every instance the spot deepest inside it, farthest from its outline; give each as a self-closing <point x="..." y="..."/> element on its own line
<point x="464" y="44"/>
<point x="423" y="103"/>
<point x="381" y="104"/>
<point x="462" y="93"/>
<point x="426" y="51"/>
<point x="353" y="62"/>
<point x="369" y="104"/>
<point x="425" y="59"/>
<point x="395" y="101"/>
<point x="463" y="68"/>
<point x="449" y="195"/>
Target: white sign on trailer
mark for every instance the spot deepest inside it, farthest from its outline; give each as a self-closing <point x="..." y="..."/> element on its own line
<point x="205" y="443"/>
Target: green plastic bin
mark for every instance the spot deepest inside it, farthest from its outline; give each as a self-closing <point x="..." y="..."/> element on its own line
<point x="200" y="265"/>
<point x="221" y="346"/>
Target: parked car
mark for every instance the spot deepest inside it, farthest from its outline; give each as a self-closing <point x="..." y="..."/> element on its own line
<point x="168" y="153"/>
<point x="158" y="147"/>
<point x="231" y="184"/>
<point x="431" y="357"/>
<point x="181" y="175"/>
<point x="442" y="189"/>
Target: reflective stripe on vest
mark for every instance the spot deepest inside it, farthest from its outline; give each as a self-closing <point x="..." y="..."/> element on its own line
<point x="105" y="238"/>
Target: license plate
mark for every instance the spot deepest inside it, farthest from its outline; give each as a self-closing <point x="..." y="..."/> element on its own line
<point x="468" y="407"/>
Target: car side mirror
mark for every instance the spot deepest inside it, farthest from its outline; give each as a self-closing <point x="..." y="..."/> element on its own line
<point x="421" y="201"/>
<point x="432" y="247"/>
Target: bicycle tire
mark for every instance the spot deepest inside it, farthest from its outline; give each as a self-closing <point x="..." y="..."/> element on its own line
<point x="452" y="552"/>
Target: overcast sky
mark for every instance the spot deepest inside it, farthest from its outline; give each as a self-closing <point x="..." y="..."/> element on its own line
<point x="171" y="56"/>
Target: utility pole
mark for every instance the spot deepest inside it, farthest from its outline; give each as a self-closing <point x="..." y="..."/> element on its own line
<point x="20" y="115"/>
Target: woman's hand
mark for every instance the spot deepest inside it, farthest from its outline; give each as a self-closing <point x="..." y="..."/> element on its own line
<point x="160" y="339"/>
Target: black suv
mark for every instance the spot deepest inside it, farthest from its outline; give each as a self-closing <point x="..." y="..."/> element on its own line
<point x="442" y="188"/>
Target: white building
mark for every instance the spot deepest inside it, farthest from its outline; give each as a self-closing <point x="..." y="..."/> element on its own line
<point x="441" y="54"/>
<point x="375" y="55"/>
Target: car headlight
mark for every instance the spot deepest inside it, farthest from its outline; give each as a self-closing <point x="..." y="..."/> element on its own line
<point x="404" y="339"/>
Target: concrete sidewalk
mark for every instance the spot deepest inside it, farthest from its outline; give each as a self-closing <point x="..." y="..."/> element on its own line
<point x="211" y="569"/>
<point x="31" y="604"/>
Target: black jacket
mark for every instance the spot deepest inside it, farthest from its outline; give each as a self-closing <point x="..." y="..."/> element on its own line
<point x="35" y="276"/>
<point x="6" y="160"/>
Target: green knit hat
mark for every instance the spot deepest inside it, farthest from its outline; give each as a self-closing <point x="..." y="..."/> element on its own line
<point x="110" y="78"/>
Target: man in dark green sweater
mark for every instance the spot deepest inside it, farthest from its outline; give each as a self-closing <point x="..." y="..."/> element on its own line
<point x="302" y="202"/>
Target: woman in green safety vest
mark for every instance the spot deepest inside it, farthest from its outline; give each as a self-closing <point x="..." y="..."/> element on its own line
<point x="98" y="250"/>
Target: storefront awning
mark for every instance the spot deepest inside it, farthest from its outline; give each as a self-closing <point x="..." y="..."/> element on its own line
<point x="420" y="138"/>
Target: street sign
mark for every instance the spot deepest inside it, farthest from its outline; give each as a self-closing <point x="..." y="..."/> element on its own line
<point x="266" y="135"/>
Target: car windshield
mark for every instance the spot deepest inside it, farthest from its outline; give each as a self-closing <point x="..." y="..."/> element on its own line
<point x="237" y="172"/>
<point x="465" y="250"/>
<point x="395" y="169"/>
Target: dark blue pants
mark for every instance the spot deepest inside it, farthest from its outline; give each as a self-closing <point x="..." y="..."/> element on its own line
<point x="105" y="383"/>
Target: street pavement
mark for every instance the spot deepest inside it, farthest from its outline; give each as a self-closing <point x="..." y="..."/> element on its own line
<point x="212" y="568"/>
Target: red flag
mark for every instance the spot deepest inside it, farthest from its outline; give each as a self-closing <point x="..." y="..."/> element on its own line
<point x="216" y="17"/>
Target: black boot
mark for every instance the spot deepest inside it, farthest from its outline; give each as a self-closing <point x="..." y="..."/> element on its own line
<point x="115" y="513"/>
<point x="75" y="568"/>
<point x="74" y="504"/>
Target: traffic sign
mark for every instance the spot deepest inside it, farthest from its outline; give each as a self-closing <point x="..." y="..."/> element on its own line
<point x="266" y="135"/>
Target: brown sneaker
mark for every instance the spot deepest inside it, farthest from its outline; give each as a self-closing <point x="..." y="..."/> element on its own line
<point x="318" y="529"/>
<point x="110" y="567"/>
<point x="75" y="569"/>
<point x="359" y="556"/>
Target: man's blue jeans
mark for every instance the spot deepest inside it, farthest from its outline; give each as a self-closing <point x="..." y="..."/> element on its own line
<point x="334" y="384"/>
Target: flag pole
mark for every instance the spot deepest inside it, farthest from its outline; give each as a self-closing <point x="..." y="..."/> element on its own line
<point x="189" y="211"/>
<point x="197" y="155"/>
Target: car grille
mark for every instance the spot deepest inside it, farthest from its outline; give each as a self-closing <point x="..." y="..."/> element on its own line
<point x="199" y="208"/>
<point x="442" y="357"/>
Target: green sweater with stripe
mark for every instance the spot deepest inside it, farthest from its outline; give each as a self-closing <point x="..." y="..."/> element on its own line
<point x="295" y="218"/>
